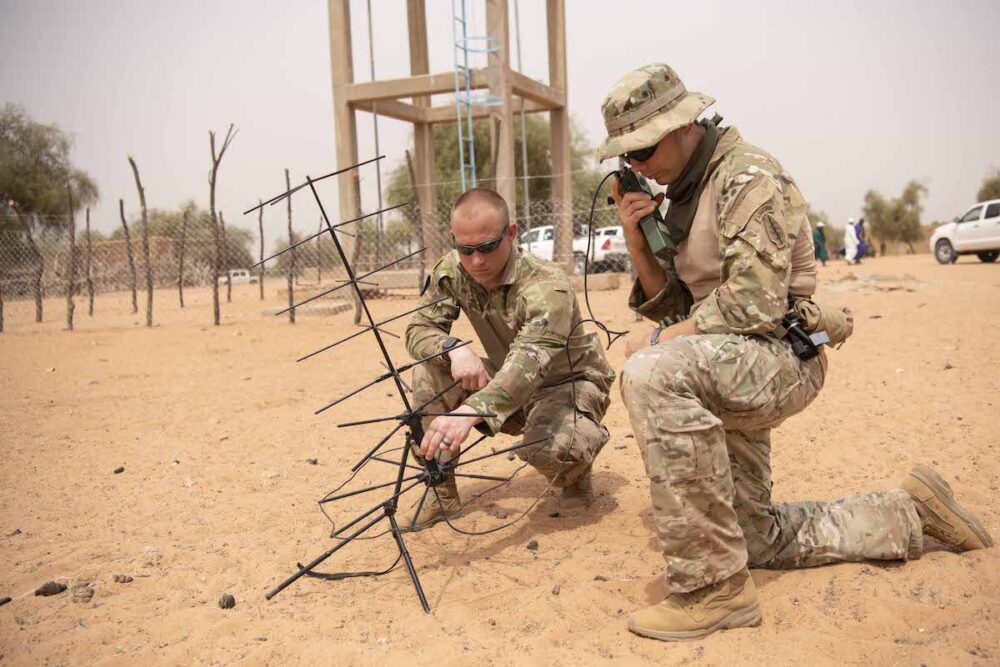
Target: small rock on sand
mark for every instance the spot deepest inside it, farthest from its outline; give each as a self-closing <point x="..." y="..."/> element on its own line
<point x="50" y="588"/>
<point x="532" y="545"/>
<point x="119" y="470"/>
<point x="227" y="601"/>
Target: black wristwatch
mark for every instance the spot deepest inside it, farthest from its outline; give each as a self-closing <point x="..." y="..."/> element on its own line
<point x="449" y="343"/>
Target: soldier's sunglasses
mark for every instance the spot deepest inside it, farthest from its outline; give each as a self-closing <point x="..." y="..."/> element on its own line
<point x="485" y="248"/>
<point x="641" y="154"/>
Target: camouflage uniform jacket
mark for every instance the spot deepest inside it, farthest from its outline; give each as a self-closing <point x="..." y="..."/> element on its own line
<point x="750" y="243"/>
<point x="523" y="324"/>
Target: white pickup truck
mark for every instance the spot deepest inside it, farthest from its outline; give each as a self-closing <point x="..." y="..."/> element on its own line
<point x="977" y="232"/>
<point x="608" y="251"/>
<point x="239" y="277"/>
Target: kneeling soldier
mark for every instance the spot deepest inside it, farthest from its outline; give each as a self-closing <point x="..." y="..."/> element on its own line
<point x="705" y="395"/>
<point x="543" y="375"/>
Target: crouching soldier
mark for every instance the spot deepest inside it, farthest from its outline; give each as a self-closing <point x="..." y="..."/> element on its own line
<point x="543" y="375"/>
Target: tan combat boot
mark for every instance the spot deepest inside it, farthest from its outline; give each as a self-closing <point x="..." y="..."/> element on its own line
<point x="577" y="494"/>
<point x="731" y="603"/>
<point x="436" y="507"/>
<point x="940" y="516"/>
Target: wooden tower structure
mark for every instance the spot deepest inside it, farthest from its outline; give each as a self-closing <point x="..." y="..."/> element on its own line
<point x="409" y="99"/>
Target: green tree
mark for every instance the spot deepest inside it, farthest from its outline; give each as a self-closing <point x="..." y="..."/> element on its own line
<point x="35" y="170"/>
<point x="990" y="188"/>
<point x="35" y="167"/>
<point x="896" y="219"/>
<point x="446" y="168"/>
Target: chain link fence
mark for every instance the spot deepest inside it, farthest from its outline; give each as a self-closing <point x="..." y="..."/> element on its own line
<point x="35" y="251"/>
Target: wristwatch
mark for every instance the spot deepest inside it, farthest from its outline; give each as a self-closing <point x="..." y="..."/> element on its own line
<point x="449" y="343"/>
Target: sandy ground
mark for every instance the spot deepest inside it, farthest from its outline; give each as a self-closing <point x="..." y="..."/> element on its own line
<point x="214" y="425"/>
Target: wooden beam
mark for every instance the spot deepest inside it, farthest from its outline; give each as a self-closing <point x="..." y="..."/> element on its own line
<point x="502" y="115"/>
<point x="446" y="114"/>
<point x="411" y="86"/>
<point x="559" y="126"/>
<point x="423" y="135"/>
<point x="395" y="109"/>
<point x="344" y="121"/>
<point x="529" y="89"/>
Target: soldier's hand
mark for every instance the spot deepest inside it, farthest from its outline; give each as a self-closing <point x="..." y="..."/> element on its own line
<point x="468" y="367"/>
<point x="632" y="208"/>
<point x="638" y="338"/>
<point x="448" y="432"/>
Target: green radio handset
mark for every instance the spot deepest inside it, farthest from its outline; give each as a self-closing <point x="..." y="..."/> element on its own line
<point x="653" y="227"/>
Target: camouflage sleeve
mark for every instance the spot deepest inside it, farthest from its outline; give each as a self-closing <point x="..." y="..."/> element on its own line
<point x="429" y="326"/>
<point x="547" y="311"/>
<point x="755" y="253"/>
<point x="669" y="306"/>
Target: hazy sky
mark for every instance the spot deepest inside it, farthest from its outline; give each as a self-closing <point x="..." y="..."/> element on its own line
<point x="848" y="95"/>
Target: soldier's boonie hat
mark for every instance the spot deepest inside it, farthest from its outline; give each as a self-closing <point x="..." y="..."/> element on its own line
<point x="644" y="106"/>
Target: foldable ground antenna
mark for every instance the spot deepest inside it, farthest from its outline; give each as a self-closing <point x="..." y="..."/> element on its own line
<point x="432" y="472"/>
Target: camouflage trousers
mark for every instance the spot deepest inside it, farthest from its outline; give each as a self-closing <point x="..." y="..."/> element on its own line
<point x="702" y="408"/>
<point x="577" y="434"/>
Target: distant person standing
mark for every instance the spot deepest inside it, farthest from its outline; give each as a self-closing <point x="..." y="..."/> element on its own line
<point x="819" y="243"/>
<point x="862" y="241"/>
<point x="851" y="241"/>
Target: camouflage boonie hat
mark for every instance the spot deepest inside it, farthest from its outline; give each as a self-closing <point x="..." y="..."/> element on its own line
<point x="644" y="106"/>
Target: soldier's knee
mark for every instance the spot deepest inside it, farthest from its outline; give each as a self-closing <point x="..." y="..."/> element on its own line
<point x="637" y="371"/>
<point x="667" y="367"/>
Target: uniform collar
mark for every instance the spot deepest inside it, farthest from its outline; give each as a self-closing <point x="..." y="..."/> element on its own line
<point x="729" y="138"/>
<point x="509" y="275"/>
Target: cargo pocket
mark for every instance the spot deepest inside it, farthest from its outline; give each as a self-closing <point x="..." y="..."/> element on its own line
<point x="683" y="450"/>
<point x="743" y="372"/>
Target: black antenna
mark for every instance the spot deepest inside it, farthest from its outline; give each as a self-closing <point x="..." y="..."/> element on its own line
<point x="431" y="472"/>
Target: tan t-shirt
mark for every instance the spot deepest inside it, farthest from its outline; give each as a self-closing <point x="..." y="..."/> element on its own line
<point x="745" y="177"/>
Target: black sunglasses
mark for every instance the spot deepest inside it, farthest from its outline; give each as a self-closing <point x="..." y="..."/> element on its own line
<point x="485" y="248"/>
<point x="641" y="154"/>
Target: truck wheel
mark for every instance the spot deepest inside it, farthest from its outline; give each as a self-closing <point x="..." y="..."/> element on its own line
<point x="944" y="253"/>
<point x="988" y="256"/>
<point x="579" y="263"/>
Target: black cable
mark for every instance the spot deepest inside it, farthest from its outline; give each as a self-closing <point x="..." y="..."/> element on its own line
<point x="338" y="576"/>
<point x="612" y="337"/>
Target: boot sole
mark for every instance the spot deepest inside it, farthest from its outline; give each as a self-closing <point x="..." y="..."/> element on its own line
<point x="743" y="618"/>
<point x="935" y="483"/>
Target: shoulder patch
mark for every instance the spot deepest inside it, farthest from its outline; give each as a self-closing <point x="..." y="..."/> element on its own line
<point x="774" y="231"/>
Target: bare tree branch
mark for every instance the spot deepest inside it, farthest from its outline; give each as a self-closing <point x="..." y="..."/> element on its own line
<point x="131" y="256"/>
<point x="89" y="270"/>
<point x="180" y="258"/>
<point x="212" y="180"/>
<point x="291" y="263"/>
<point x="71" y="269"/>
<point x="145" y="242"/>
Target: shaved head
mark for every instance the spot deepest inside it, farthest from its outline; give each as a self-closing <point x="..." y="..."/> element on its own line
<point x="479" y="216"/>
<point x="483" y="200"/>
